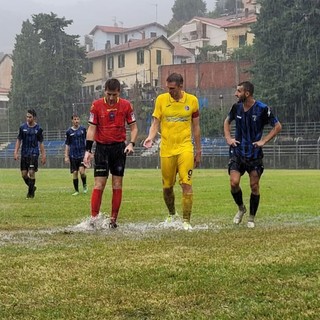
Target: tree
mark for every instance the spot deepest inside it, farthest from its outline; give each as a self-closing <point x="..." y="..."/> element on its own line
<point x="225" y="7"/>
<point x="25" y="57"/>
<point x="47" y="72"/>
<point x="243" y="53"/>
<point x="286" y="72"/>
<point x="185" y="10"/>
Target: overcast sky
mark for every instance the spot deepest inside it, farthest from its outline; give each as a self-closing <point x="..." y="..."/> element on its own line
<point x="86" y="14"/>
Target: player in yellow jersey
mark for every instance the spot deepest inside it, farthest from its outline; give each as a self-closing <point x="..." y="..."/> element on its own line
<point x="176" y="114"/>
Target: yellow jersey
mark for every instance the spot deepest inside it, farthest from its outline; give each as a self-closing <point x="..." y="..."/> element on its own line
<point x="176" y="122"/>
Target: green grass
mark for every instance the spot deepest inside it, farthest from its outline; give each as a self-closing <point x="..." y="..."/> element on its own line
<point x="143" y="271"/>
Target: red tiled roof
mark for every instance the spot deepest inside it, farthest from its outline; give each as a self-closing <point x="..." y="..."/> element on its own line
<point x="242" y="21"/>
<point x="131" y="45"/>
<point x="108" y="29"/>
<point x="112" y="29"/>
<point x="180" y="51"/>
<point x="4" y="90"/>
<point x="227" y="20"/>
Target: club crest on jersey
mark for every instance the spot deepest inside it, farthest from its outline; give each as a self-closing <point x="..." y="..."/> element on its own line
<point x="187" y="108"/>
<point x="112" y="116"/>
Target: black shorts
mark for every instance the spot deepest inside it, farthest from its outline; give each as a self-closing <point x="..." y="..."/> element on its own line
<point x="29" y="163"/>
<point x="75" y="164"/>
<point x="109" y="157"/>
<point x="242" y="165"/>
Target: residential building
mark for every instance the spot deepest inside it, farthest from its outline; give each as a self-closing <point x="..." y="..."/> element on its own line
<point x="5" y="81"/>
<point x="182" y="54"/>
<point x="200" y="32"/>
<point x="239" y="33"/>
<point x="110" y="36"/>
<point x="134" y="63"/>
<point x="230" y="32"/>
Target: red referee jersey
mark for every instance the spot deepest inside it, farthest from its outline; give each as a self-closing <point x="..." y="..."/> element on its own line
<point x="110" y="121"/>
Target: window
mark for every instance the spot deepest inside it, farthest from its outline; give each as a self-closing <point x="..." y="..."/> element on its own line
<point x="140" y="57"/>
<point x="110" y="63"/>
<point x="158" y="57"/>
<point x="242" y="41"/>
<point x="116" y="39"/>
<point x="88" y="67"/>
<point x="153" y="34"/>
<point x="121" y="60"/>
<point x="125" y="38"/>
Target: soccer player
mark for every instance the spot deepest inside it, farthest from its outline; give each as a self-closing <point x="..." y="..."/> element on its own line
<point x="176" y="113"/>
<point x="74" y="153"/>
<point x="246" y="153"/>
<point x="107" y="127"/>
<point x="30" y="136"/>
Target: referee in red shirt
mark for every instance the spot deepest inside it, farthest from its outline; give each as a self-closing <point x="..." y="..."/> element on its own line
<point x="107" y="127"/>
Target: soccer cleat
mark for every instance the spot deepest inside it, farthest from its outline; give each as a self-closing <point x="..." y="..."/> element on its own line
<point x="239" y="215"/>
<point x="187" y="225"/>
<point x="75" y="193"/>
<point x="113" y="225"/>
<point x="85" y="189"/>
<point x="30" y="194"/>
<point x="171" y="218"/>
<point x="93" y="221"/>
<point x="250" y="223"/>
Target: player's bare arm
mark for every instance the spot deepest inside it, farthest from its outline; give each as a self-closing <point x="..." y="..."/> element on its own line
<point x="148" y="142"/>
<point x="227" y="134"/>
<point x="273" y="132"/>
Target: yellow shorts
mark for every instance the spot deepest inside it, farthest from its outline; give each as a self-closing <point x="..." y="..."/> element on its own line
<point x="182" y="164"/>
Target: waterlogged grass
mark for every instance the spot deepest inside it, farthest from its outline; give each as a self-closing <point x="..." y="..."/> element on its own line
<point x="145" y="271"/>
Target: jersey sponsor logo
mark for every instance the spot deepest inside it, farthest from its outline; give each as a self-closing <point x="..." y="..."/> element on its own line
<point x="239" y="117"/>
<point x="133" y="117"/>
<point x="177" y="119"/>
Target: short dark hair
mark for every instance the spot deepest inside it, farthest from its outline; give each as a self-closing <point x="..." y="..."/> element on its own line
<point x="247" y="86"/>
<point x="74" y="116"/>
<point x="112" y="84"/>
<point x="32" y="112"/>
<point x="175" y="77"/>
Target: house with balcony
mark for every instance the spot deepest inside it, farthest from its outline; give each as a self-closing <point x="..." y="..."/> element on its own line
<point x="134" y="63"/>
<point x="110" y="36"/>
<point x="200" y="32"/>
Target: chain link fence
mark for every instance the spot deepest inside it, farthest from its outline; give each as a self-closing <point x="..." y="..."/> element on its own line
<point x="296" y="147"/>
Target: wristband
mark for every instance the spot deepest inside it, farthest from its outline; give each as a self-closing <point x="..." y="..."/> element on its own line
<point x="89" y="145"/>
<point x="133" y="144"/>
